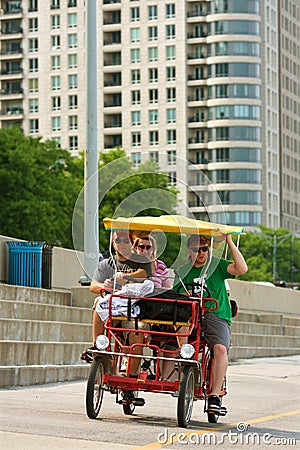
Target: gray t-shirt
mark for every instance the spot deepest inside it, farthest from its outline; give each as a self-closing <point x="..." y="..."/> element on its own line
<point x="106" y="267"/>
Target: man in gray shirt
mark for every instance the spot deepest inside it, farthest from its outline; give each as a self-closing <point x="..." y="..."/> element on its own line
<point x="123" y="263"/>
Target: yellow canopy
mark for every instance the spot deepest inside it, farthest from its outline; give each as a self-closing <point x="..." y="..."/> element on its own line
<point x="170" y="224"/>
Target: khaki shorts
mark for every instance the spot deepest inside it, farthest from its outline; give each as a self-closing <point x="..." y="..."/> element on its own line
<point x="216" y="331"/>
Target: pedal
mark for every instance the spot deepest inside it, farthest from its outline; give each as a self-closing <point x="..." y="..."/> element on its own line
<point x="139" y="402"/>
<point x="223" y="411"/>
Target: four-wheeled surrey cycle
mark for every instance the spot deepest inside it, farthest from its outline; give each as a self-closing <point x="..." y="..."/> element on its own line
<point x="167" y="315"/>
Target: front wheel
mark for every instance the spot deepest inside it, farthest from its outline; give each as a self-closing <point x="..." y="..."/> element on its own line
<point x="94" y="390"/>
<point x="185" y="396"/>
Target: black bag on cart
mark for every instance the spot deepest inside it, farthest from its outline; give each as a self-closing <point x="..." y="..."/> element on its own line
<point x="168" y="311"/>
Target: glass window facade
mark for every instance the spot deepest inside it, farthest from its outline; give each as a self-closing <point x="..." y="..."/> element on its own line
<point x="234" y="91"/>
<point x="237" y="133"/>
<point x="250" y="112"/>
<point x="238" y="154"/>
<point x="235" y="6"/>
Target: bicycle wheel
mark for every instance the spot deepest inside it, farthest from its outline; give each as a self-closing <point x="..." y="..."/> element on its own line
<point x="185" y="396"/>
<point x="129" y="408"/>
<point x="94" y="390"/>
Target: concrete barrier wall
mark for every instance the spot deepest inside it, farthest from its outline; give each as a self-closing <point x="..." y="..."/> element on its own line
<point x="66" y="265"/>
<point x="67" y="269"/>
<point x="256" y="297"/>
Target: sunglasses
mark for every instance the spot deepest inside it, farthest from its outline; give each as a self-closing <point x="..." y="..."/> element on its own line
<point x="125" y="241"/>
<point x="200" y="249"/>
<point x="143" y="247"/>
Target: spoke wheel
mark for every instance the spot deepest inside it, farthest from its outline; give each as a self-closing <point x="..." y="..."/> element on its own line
<point x="94" y="390"/>
<point x="130" y="407"/>
<point x="185" y="396"/>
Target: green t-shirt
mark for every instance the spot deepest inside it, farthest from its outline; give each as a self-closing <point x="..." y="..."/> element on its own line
<point x="216" y="274"/>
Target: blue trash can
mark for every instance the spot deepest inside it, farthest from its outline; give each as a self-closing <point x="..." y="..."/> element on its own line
<point x="25" y="263"/>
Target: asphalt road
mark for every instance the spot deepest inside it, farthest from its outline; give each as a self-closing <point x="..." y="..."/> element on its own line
<point x="263" y="403"/>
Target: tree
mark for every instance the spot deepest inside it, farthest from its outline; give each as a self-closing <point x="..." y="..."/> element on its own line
<point x="127" y="191"/>
<point x="39" y="185"/>
<point x="258" y="250"/>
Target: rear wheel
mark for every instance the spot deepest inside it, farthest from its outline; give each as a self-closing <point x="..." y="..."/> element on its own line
<point x="185" y="396"/>
<point x="94" y="390"/>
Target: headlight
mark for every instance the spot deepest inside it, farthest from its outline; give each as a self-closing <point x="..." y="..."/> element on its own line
<point x="102" y="342"/>
<point x="187" y="351"/>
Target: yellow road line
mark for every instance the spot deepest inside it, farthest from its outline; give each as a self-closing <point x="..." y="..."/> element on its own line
<point x="173" y="439"/>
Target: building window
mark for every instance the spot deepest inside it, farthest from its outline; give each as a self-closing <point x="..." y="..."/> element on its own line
<point x="172" y="178"/>
<point x="55" y="62"/>
<point x="170" y="31"/>
<point x="55" y="22"/>
<point x="171" y="95"/>
<point x="73" y="122"/>
<point x="73" y="101"/>
<point x="170" y="10"/>
<point x="56" y="124"/>
<point x="135" y="35"/>
<point x="55" y="42"/>
<point x="136" y="159"/>
<point x="152" y="33"/>
<point x="72" y="61"/>
<point x="33" y="126"/>
<point x="170" y="52"/>
<point x="153" y="117"/>
<point x="171" y="157"/>
<point x="135" y="118"/>
<point x="135" y="76"/>
<point x="57" y="139"/>
<point x="34" y="105"/>
<point x="135" y="55"/>
<point x="33" y="65"/>
<point x="55" y="82"/>
<point x="72" y="40"/>
<point x="152" y="54"/>
<point x="135" y="97"/>
<point x="153" y="137"/>
<point x="72" y="3"/>
<point x="34" y="85"/>
<point x="171" y="137"/>
<point x="73" y="143"/>
<point x="55" y="4"/>
<point x="153" y="75"/>
<point x="154" y="156"/>
<point x="171" y="115"/>
<point x="72" y="20"/>
<point x="171" y="73"/>
<point x="33" y="5"/>
<point x="33" y="24"/>
<point x="152" y="12"/>
<point x="153" y="95"/>
<point x="135" y="14"/>
<point x="73" y="81"/>
<point x="136" y="139"/>
<point x="55" y="103"/>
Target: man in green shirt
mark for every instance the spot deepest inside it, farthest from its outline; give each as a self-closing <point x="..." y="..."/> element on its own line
<point x="216" y="323"/>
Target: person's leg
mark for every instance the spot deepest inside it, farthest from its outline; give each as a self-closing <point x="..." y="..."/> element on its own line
<point x="217" y="337"/>
<point x="219" y="368"/>
<point x="98" y="326"/>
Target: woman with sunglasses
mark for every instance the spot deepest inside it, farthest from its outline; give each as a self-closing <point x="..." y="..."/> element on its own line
<point x="160" y="275"/>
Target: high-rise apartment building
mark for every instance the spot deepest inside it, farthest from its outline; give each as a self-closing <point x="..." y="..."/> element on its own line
<point x="210" y="89"/>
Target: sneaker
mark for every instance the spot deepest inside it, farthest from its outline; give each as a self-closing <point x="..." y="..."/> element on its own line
<point x="127" y="397"/>
<point x="213" y="404"/>
<point x="87" y="354"/>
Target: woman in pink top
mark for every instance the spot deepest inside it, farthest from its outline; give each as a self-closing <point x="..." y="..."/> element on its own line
<point x="160" y="273"/>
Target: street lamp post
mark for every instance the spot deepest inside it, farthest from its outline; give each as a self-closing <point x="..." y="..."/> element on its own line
<point x="91" y="225"/>
<point x="276" y="241"/>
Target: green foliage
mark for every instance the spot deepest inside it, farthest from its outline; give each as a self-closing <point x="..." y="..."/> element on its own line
<point x="39" y="185"/>
<point x="264" y="252"/>
<point x="126" y="191"/>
